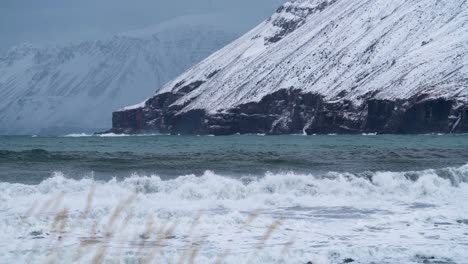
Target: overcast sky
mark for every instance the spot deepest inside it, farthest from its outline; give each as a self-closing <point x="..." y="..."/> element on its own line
<point x="56" y="21"/>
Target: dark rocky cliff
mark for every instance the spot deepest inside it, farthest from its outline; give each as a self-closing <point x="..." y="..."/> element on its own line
<point x="290" y="111"/>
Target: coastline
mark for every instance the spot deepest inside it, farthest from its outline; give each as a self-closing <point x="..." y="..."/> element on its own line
<point x="290" y="111"/>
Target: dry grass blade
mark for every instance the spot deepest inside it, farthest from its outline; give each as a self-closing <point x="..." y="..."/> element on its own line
<point x="58" y="226"/>
<point x="164" y="235"/>
<point x="116" y="213"/>
<point x="222" y="257"/>
<point x="287" y="247"/>
<point x="47" y="204"/>
<point x="31" y="209"/>
<point x="271" y="229"/>
<point x="195" y="250"/>
<point x="101" y="251"/>
<point x="146" y="233"/>
<point x="83" y="244"/>
<point x="89" y="202"/>
<point x="116" y="223"/>
<point x="99" y="256"/>
<point x="61" y="217"/>
<point x="57" y="201"/>
<point x="195" y="223"/>
<point x="252" y="217"/>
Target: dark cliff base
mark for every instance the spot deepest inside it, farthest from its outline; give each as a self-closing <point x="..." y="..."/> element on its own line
<point x="289" y="111"/>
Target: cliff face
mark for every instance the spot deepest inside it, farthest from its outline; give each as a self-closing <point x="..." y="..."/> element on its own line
<point x="325" y="66"/>
<point x="291" y="111"/>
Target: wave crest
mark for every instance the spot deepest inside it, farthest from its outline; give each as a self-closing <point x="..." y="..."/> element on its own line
<point x="211" y="186"/>
<point x="323" y="210"/>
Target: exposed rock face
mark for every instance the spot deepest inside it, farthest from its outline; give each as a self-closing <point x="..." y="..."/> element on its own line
<point x="291" y="111"/>
<point x="325" y="66"/>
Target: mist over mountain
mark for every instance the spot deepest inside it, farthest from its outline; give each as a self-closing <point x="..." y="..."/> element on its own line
<point x="74" y="88"/>
<point x="61" y="22"/>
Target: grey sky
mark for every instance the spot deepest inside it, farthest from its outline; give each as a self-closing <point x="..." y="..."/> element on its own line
<point x="52" y="21"/>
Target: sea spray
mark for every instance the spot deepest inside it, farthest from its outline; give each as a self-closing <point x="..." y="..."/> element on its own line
<point x="326" y="218"/>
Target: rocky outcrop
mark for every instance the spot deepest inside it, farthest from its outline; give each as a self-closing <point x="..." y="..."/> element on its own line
<point x="299" y="13"/>
<point x="291" y="111"/>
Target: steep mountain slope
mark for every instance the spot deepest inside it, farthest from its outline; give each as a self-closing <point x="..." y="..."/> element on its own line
<point x="325" y="66"/>
<point x="75" y="88"/>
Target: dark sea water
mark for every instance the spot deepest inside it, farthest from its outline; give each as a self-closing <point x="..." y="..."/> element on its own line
<point x="234" y="199"/>
<point x="33" y="159"/>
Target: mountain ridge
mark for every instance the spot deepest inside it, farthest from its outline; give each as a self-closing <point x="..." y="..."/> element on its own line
<point x="75" y="87"/>
<point x="363" y="66"/>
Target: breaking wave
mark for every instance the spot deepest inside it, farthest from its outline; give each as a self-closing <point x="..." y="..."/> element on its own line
<point x="382" y="217"/>
<point x="213" y="186"/>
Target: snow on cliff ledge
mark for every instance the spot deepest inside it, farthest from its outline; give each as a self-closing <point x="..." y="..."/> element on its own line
<point x="346" y="49"/>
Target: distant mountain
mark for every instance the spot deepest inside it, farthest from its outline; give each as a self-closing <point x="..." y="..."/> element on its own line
<point x="75" y="88"/>
<point x="325" y="66"/>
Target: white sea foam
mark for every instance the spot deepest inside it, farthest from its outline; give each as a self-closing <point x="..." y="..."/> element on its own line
<point x="78" y="135"/>
<point x="369" y="134"/>
<point x="113" y="135"/>
<point x="323" y="219"/>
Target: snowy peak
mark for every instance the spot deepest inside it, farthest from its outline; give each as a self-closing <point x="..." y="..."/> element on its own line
<point x="347" y="53"/>
<point x="345" y="47"/>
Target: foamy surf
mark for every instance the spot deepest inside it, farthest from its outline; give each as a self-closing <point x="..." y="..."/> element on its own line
<point x="382" y="217"/>
<point x="78" y="135"/>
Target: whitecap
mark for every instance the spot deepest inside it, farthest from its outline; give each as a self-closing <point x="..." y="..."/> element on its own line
<point x="78" y="135"/>
<point x="324" y="218"/>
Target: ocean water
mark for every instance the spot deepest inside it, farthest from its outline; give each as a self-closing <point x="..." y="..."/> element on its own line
<point x="234" y="199"/>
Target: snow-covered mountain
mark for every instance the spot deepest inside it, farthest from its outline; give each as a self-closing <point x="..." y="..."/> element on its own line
<point x="325" y="66"/>
<point x="75" y="88"/>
